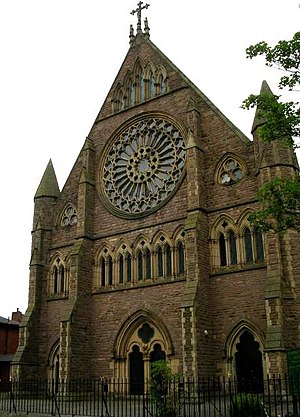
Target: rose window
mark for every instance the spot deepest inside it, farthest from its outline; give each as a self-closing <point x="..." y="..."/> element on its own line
<point x="143" y="166"/>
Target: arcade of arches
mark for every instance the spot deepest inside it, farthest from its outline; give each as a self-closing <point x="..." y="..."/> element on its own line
<point x="142" y="340"/>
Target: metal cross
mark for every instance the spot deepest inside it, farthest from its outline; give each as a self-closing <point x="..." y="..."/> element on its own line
<point x="139" y="14"/>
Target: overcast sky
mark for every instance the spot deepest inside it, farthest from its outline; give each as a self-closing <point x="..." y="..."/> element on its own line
<point x="58" y="61"/>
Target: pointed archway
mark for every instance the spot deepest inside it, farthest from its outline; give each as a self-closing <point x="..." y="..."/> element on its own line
<point x="248" y="364"/>
<point x="54" y="365"/>
<point x="244" y="356"/>
<point x="157" y="354"/>
<point x="136" y="371"/>
<point x="142" y="340"/>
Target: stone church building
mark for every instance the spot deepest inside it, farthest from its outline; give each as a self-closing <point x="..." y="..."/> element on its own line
<point x="147" y="252"/>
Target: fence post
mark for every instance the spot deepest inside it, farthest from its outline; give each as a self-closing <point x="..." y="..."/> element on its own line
<point x="12" y="398"/>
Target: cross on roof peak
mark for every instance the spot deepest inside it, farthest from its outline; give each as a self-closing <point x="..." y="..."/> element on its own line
<point x="139" y="14"/>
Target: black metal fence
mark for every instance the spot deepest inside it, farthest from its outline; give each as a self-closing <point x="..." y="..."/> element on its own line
<point x="207" y="397"/>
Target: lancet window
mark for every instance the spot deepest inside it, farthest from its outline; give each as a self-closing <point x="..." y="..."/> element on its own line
<point x="59" y="278"/>
<point x="128" y="269"/>
<point x="180" y="255"/>
<point x="144" y="82"/>
<point x="144" y="263"/>
<point x="253" y="245"/>
<point x="164" y="259"/>
<point x="232" y="248"/>
<point x="237" y="244"/>
<point x="222" y="249"/>
<point x="106" y="267"/>
<point x="227" y="245"/>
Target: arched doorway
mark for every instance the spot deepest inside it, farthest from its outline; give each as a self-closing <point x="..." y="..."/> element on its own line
<point x="136" y="371"/>
<point x="54" y="362"/>
<point x="157" y="354"/>
<point x="248" y="364"/>
<point x="142" y="340"/>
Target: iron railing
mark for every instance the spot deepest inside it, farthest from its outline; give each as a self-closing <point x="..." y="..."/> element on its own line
<point x="203" y="397"/>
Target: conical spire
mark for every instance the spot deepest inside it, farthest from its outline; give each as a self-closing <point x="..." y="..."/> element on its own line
<point x="48" y="186"/>
<point x="265" y="89"/>
<point x="258" y="120"/>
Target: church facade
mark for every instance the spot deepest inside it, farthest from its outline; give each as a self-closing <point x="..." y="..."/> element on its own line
<point x="147" y="252"/>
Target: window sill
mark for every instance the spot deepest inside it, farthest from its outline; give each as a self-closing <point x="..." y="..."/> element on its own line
<point x="140" y="284"/>
<point x="55" y="297"/>
<point x="237" y="268"/>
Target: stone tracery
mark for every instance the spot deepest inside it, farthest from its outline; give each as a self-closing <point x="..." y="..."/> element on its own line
<point x="144" y="165"/>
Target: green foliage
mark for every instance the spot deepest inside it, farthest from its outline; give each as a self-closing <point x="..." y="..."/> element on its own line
<point x="280" y="199"/>
<point x="247" y="405"/>
<point x="278" y="120"/>
<point x="162" y="390"/>
<point x="285" y="55"/>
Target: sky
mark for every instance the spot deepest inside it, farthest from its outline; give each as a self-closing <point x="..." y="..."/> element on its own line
<point x="59" y="59"/>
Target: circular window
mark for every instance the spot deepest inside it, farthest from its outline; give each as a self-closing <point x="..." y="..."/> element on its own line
<point x="230" y="172"/>
<point x="142" y="166"/>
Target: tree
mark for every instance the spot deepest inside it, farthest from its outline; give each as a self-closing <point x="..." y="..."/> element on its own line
<point x="162" y="384"/>
<point x="280" y="198"/>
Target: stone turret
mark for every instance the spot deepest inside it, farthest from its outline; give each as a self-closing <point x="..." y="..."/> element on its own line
<point x="277" y="159"/>
<point x="43" y="222"/>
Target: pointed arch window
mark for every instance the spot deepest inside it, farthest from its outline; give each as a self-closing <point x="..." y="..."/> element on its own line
<point x="117" y="99"/>
<point x="122" y="101"/>
<point x="248" y="246"/>
<point x="62" y="278"/>
<point x="163" y="86"/>
<point x="143" y="264"/>
<point x="121" y="269"/>
<point x="106" y="269"/>
<point x="160" y="269"/>
<point x="180" y="258"/>
<point x="151" y="85"/>
<point x="59" y="278"/>
<point x="168" y="259"/>
<point x="144" y="81"/>
<point x="148" y="263"/>
<point x="232" y="248"/>
<point x="259" y="245"/>
<point x="164" y="260"/>
<point x="131" y="93"/>
<point x="110" y="270"/>
<point x="128" y="266"/>
<point x="142" y="86"/>
<point x="222" y="249"/>
<point x="55" y="281"/>
<point x="103" y="271"/>
<point x="140" y="265"/>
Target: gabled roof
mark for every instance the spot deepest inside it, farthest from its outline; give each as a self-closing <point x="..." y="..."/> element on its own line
<point x="200" y="93"/>
<point x="141" y="38"/>
<point x="5" y="320"/>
